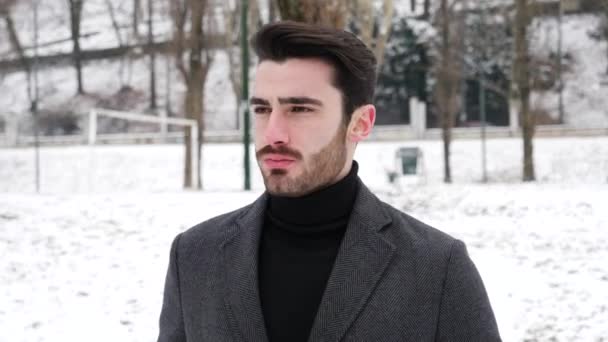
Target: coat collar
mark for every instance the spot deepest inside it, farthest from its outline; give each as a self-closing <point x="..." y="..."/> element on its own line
<point x="363" y="256"/>
<point x="240" y="251"/>
<point x="360" y="263"/>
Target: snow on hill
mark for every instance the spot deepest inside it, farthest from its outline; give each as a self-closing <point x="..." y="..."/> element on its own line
<point x="104" y="79"/>
<point x="96" y="27"/>
<point x="586" y="85"/>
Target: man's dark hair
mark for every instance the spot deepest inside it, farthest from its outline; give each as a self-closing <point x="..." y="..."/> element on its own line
<point x="354" y="63"/>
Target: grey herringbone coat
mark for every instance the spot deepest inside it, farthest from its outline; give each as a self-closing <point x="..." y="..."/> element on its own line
<point x="394" y="279"/>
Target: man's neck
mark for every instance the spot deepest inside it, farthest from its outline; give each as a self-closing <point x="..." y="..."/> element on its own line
<point x="322" y="206"/>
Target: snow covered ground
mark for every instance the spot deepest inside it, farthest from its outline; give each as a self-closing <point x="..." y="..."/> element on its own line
<point x="86" y="258"/>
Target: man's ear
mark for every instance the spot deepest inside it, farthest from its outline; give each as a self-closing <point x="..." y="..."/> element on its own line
<point x="361" y="123"/>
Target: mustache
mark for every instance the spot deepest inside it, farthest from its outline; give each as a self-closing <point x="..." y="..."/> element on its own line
<point x="281" y="149"/>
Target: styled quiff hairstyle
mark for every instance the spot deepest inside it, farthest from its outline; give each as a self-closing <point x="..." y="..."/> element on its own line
<point x="353" y="62"/>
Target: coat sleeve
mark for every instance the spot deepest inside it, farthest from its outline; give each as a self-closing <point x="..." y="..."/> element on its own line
<point x="171" y="324"/>
<point x="465" y="311"/>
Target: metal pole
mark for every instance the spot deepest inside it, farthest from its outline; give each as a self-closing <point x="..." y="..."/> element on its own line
<point x="152" y="57"/>
<point x="559" y="63"/>
<point x="463" y="81"/>
<point x="163" y="127"/>
<point x="245" y="91"/>
<point x="482" y="109"/>
<point x="482" y="99"/>
<point x="35" y="99"/>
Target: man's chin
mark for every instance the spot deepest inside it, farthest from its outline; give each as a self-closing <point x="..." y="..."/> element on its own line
<point x="277" y="184"/>
<point x="278" y="172"/>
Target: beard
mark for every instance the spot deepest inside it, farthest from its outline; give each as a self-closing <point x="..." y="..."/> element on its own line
<point x="317" y="171"/>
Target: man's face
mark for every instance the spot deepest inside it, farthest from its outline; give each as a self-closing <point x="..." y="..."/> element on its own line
<point x="300" y="137"/>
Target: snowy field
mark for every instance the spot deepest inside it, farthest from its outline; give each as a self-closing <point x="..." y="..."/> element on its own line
<point x="86" y="258"/>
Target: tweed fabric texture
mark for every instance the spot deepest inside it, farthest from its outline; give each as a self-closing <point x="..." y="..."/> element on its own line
<point x="394" y="279"/>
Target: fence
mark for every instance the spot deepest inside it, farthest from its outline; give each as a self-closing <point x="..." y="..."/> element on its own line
<point x="416" y="131"/>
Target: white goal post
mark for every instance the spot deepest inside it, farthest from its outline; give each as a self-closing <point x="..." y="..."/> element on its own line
<point x="163" y="121"/>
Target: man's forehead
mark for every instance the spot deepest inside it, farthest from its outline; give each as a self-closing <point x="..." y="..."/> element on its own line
<point x="299" y="62"/>
<point x="294" y="77"/>
<point x="309" y="68"/>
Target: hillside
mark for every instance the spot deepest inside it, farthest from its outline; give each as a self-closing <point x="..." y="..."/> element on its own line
<point x="123" y="83"/>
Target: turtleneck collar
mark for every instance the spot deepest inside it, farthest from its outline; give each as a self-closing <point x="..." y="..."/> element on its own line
<point x="323" y="206"/>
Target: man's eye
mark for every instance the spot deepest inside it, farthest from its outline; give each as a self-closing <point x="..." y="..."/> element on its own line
<point x="299" y="109"/>
<point x="261" y="110"/>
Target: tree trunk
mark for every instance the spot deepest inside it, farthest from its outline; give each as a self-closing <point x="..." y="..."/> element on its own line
<point x="605" y="28"/>
<point x="365" y="18"/>
<point x="195" y="81"/>
<point x="201" y="127"/>
<point x="255" y="16"/>
<point x="136" y="16"/>
<point x="372" y="33"/>
<point x="427" y="9"/>
<point x="75" y="18"/>
<point x="114" y="22"/>
<point x="231" y="34"/>
<point x="272" y="11"/>
<point x="446" y="86"/>
<point x="385" y="31"/>
<point x="522" y="80"/>
<point x="14" y="38"/>
<point x="187" y="145"/>
<point x="16" y="44"/>
<point x="560" y="78"/>
<point x="194" y="106"/>
<point x="290" y="10"/>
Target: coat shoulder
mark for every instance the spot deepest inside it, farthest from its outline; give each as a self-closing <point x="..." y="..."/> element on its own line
<point x="417" y="233"/>
<point x="212" y="232"/>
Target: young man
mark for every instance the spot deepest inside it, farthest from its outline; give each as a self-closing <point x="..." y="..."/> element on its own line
<point x="318" y="257"/>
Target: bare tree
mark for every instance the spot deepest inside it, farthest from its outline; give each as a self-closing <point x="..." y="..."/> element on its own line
<point x="115" y="24"/>
<point x="604" y="27"/>
<point x="448" y="71"/>
<point x="427" y="9"/>
<point x="332" y="13"/>
<point x="13" y="36"/>
<point x="75" y="19"/>
<point x="191" y="45"/>
<point x="231" y="35"/>
<point x="522" y="84"/>
<point x="374" y="27"/>
<point x="137" y="14"/>
<point x="272" y="10"/>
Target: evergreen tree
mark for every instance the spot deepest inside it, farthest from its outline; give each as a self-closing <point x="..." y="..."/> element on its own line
<point x="402" y="75"/>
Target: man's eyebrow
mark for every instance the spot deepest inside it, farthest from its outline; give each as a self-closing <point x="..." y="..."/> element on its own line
<point x="299" y="100"/>
<point x="258" y="101"/>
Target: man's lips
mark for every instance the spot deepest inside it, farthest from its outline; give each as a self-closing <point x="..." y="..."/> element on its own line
<point x="277" y="161"/>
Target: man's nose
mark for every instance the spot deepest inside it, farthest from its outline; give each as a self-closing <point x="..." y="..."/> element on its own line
<point x="276" y="132"/>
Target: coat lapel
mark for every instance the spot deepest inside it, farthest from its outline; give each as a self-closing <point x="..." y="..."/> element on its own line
<point x="360" y="263"/>
<point x="240" y="251"/>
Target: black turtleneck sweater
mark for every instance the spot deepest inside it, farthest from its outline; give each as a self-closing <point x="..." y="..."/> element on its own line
<point x="300" y="240"/>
